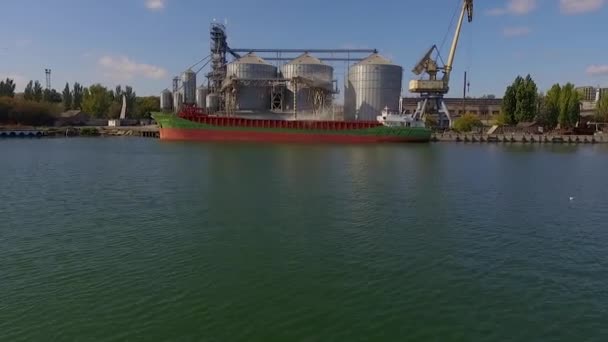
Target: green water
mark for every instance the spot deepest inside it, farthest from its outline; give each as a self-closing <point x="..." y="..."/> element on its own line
<point x="142" y="240"/>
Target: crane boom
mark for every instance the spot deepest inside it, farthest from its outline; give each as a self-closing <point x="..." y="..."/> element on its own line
<point x="467" y="8"/>
<point x="433" y="89"/>
<point x="428" y="66"/>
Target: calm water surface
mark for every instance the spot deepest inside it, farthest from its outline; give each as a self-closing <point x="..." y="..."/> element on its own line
<point x="133" y="239"/>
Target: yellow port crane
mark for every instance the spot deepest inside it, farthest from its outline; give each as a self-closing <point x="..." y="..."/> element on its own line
<point x="432" y="90"/>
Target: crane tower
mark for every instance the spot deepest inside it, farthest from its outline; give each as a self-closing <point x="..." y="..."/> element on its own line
<point x="433" y="89"/>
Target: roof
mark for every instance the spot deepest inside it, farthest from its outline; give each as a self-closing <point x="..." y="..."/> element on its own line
<point x="375" y="59"/>
<point x="250" y="58"/>
<point x="306" y="58"/>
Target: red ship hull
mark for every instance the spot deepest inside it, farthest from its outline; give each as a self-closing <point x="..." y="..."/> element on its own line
<point x="212" y="135"/>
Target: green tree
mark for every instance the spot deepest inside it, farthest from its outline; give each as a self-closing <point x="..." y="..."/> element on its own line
<point x="521" y="101"/>
<point x="28" y="94"/>
<point x="526" y="94"/>
<point x="509" y="103"/>
<point x="67" y="97"/>
<point x="569" y="106"/>
<point x="602" y="109"/>
<point x="15" y="111"/>
<point x="7" y="88"/>
<point x="549" y="112"/>
<point x="467" y="123"/>
<point x="77" y="95"/>
<point x="51" y="95"/>
<point x="37" y="92"/>
<point x="146" y="105"/>
<point x="97" y="101"/>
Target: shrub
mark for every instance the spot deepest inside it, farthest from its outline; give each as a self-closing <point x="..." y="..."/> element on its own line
<point x="15" y="111"/>
<point x="466" y="123"/>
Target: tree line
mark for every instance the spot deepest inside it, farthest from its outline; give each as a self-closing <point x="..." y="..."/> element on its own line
<point x="561" y="106"/>
<point x="41" y="105"/>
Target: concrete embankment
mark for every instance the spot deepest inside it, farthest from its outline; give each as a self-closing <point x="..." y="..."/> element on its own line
<point x="151" y="131"/>
<point x="521" y="138"/>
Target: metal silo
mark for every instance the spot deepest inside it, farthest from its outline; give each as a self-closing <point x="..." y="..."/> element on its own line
<point x="166" y="100"/>
<point x="247" y="75"/>
<point x="212" y="102"/>
<point x="178" y="101"/>
<point x="189" y="86"/>
<point x="373" y="83"/>
<point x="314" y="79"/>
<point x="201" y="97"/>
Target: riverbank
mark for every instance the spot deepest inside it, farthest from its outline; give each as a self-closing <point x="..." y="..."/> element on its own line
<point x="150" y="131"/>
<point x="520" y="138"/>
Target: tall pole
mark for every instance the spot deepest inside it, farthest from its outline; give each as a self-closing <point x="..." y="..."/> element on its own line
<point x="464" y="95"/>
<point x="48" y="78"/>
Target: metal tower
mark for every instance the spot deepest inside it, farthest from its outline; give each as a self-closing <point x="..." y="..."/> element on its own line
<point x="48" y="78"/>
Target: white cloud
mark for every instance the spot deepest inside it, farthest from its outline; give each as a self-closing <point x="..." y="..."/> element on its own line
<point x="516" y="31"/>
<point x="580" y="6"/>
<point x="124" y="68"/>
<point x="156" y="5"/>
<point x="598" y="70"/>
<point x="515" y="7"/>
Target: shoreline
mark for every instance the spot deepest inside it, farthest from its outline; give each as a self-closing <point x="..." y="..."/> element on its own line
<point x="152" y="131"/>
<point x="522" y="138"/>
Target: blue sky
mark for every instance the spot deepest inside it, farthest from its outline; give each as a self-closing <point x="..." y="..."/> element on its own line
<point x="144" y="42"/>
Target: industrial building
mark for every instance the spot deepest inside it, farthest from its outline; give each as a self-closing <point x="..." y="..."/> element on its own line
<point x="589" y="98"/>
<point x="484" y="108"/>
<point x="287" y="83"/>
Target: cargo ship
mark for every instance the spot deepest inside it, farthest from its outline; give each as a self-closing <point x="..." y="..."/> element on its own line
<point x="389" y="128"/>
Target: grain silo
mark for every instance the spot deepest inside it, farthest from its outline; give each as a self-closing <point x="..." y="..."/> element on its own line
<point x="201" y="97"/>
<point x="178" y="101"/>
<point x="189" y="87"/>
<point x="313" y="80"/>
<point x="166" y="100"/>
<point x="373" y="84"/>
<point x="248" y="81"/>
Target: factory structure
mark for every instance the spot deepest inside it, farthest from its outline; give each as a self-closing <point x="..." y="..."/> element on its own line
<point x="590" y="96"/>
<point x="286" y="83"/>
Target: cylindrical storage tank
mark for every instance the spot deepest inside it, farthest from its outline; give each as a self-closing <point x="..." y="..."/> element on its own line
<point x="373" y="84"/>
<point x="315" y="72"/>
<point x="178" y="101"/>
<point x="166" y="100"/>
<point x="201" y="97"/>
<point x="254" y="96"/>
<point x="213" y="103"/>
<point x="189" y="87"/>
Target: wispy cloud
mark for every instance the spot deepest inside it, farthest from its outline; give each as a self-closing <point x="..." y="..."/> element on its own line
<point x="156" y="5"/>
<point x="122" y="67"/>
<point x="580" y="6"/>
<point x="598" y="70"/>
<point x="515" y="7"/>
<point x="511" y="32"/>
